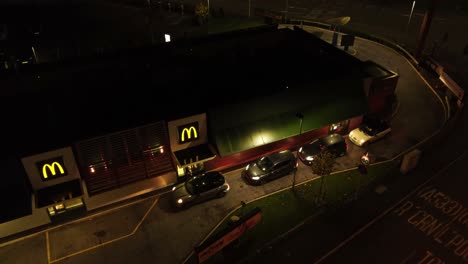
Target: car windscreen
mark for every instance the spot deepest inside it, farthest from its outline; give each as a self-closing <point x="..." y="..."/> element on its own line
<point x="315" y="146"/>
<point x="192" y="186"/>
<point x="265" y="163"/>
<point x="215" y="179"/>
<point x="369" y="129"/>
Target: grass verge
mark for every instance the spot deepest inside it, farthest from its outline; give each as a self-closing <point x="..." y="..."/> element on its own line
<point x="286" y="209"/>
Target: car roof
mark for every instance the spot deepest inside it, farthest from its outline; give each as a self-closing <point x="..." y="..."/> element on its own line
<point x="374" y="123"/>
<point x="211" y="176"/>
<point x="332" y="139"/>
<point x="281" y="155"/>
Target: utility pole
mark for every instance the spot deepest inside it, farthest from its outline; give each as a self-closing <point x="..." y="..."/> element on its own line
<point x="425" y="29"/>
<point x="410" y="15"/>
<point x="301" y="117"/>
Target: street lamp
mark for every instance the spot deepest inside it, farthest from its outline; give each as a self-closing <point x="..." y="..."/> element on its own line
<point x="301" y="117"/>
<point x="410" y="15"/>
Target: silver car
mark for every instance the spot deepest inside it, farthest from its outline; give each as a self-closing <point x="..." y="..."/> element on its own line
<point x="198" y="189"/>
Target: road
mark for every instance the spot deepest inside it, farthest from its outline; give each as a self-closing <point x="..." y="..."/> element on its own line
<point x="427" y="223"/>
<point x="428" y="226"/>
<point x="71" y="30"/>
<point x="145" y="230"/>
<point x="389" y="21"/>
<point x="149" y="230"/>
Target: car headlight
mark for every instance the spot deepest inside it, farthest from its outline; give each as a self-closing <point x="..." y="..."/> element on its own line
<point x="256" y="178"/>
<point x="180" y="201"/>
<point x="173" y="188"/>
<point x="310" y="158"/>
<point x="361" y="141"/>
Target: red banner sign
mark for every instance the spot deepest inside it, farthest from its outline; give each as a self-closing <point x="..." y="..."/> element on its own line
<point x="230" y="236"/>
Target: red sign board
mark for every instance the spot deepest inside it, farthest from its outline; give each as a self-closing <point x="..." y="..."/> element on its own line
<point x="230" y="236"/>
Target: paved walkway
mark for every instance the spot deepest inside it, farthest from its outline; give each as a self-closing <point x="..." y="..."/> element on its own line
<point x="149" y="231"/>
<point x="417" y="100"/>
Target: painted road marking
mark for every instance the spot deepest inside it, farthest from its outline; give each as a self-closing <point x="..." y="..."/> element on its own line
<point x="411" y="65"/>
<point x="47" y="246"/>
<point x="79" y="220"/>
<point x="405" y="260"/>
<point x="391" y="208"/>
<point x="107" y="242"/>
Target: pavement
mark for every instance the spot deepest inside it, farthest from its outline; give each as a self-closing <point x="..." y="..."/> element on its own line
<point x="376" y="231"/>
<point x="373" y="233"/>
<point x="147" y="229"/>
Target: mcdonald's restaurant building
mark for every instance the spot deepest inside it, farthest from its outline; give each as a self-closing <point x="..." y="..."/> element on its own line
<point x="95" y="172"/>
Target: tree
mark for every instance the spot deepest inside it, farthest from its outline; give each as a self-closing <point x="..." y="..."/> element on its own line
<point x="322" y="165"/>
<point x="201" y="12"/>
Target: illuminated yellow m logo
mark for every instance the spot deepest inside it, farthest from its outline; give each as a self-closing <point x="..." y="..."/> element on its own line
<point x="188" y="131"/>
<point x="52" y="168"/>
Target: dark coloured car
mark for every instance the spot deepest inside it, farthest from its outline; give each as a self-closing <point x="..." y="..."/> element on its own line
<point x="333" y="143"/>
<point x="198" y="189"/>
<point x="269" y="167"/>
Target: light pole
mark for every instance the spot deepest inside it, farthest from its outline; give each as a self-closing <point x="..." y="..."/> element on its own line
<point x="301" y="117"/>
<point x="410" y="15"/>
<point x="424" y="31"/>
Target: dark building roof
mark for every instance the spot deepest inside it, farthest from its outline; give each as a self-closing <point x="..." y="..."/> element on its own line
<point x="58" y="103"/>
<point x="235" y="128"/>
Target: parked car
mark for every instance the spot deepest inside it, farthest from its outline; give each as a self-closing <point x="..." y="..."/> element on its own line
<point x="269" y="167"/>
<point x="371" y="129"/>
<point x="333" y="143"/>
<point x="199" y="188"/>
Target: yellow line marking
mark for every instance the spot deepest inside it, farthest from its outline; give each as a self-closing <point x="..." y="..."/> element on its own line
<point x="90" y="248"/>
<point x="102" y="213"/>
<point x="146" y="214"/>
<point x="21" y="239"/>
<point x="77" y="220"/>
<point x="113" y="240"/>
<point x="48" y="247"/>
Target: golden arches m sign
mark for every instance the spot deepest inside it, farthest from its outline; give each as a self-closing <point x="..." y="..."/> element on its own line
<point x="188" y="132"/>
<point x="51" y="168"/>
